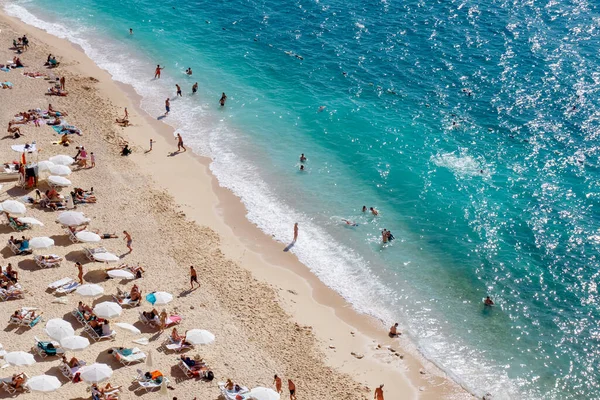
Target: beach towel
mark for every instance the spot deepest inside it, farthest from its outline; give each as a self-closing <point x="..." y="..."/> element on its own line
<point x="5" y="69"/>
<point x="35" y="321"/>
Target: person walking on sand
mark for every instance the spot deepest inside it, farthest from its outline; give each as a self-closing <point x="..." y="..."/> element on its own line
<point x="379" y="393"/>
<point x="92" y="160"/>
<point x="193" y="277"/>
<point x="195" y="88"/>
<point x="167" y="106"/>
<point x="222" y="100"/>
<point x="157" y="71"/>
<point x="277" y="383"/>
<point x="178" y="90"/>
<point x="80" y="272"/>
<point x="180" y="143"/>
<point x="62" y="83"/>
<point x="151" y="142"/>
<point x="295" y="231"/>
<point x="128" y="240"/>
<point x="292" y="389"/>
<point x="126" y="113"/>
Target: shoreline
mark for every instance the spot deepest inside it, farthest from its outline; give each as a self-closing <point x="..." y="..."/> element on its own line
<point x="299" y="292"/>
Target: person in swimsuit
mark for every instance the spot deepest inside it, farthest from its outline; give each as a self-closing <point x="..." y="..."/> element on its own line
<point x="222" y="100"/>
<point x="178" y="90"/>
<point x="130" y="31"/>
<point x="193" y="277"/>
<point x="488" y="301"/>
<point x="302" y="157"/>
<point x="167" y="106"/>
<point x="292" y="389"/>
<point x="180" y="143"/>
<point x="157" y="72"/>
<point x="394" y="331"/>
<point x="188" y="71"/>
<point x="379" y="393"/>
<point x="374" y="211"/>
<point x="295" y="231"/>
<point x="80" y="274"/>
<point x="195" y="88"/>
<point x="277" y="383"/>
<point x="129" y="240"/>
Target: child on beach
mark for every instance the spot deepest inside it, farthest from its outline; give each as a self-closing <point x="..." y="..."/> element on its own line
<point x="128" y="240"/>
<point x="151" y="141"/>
<point x="92" y="160"/>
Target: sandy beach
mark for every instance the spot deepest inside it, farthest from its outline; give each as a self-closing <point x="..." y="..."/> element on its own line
<point x="268" y="313"/>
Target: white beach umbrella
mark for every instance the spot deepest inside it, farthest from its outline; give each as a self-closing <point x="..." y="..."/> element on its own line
<point x="90" y="290"/>
<point x="162" y="298"/>
<point x="59" y="181"/>
<point x="44" y="166"/>
<point x="14" y="207"/>
<point x="107" y="310"/>
<point x="42" y="242"/>
<point x="19" y="358"/>
<point x="43" y="383"/>
<point x="60" y="170"/>
<point x="199" y="336"/>
<point x="95" y="373"/>
<point x="62" y="160"/>
<point x="58" y="329"/>
<point x="106" y="257"/>
<point x="30" y="221"/>
<point x="128" y="327"/>
<point x="74" y="343"/>
<point x="119" y="273"/>
<point x="88" y="237"/>
<point x="261" y="393"/>
<point x="72" y="218"/>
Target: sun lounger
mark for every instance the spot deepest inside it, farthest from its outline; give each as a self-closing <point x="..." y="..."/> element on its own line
<point x="68" y="288"/>
<point x="25" y="318"/>
<point x="178" y="346"/>
<point x="14" y="292"/>
<point x="136" y="356"/>
<point x="45" y="349"/>
<point x="146" y="384"/>
<point x="89" y="253"/>
<point x="43" y="263"/>
<point x="18" y="227"/>
<point x="230" y="394"/>
<point x="126" y="302"/>
<point x="6" y="384"/>
<point x="171" y="320"/>
<point x="71" y="235"/>
<point x="16" y="249"/>
<point x="61" y="282"/>
<point x="94" y="335"/>
<point x="69" y="372"/>
<point x="190" y="372"/>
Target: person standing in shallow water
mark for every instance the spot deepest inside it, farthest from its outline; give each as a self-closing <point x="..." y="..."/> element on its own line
<point x="195" y="88"/>
<point x="167" y="106"/>
<point x="157" y="71"/>
<point x="178" y="90"/>
<point x="222" y="100"/>
<point x="295" y="231"/>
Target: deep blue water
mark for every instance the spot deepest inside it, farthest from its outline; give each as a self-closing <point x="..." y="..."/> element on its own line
<point x="470" y="125"/>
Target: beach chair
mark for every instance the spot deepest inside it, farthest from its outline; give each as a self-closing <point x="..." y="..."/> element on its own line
<point x="45" y="349"/>
<point x="89" y="252"/>
<point x="69" y="372"/>
<point x="17" y="250"/>
<point x="43" y="263"/>
<point x="231" y="395"/>
<point x="171" y="345"/>
<point x="94" y="335"/>
<point x="126" y="302"/>
<point x="71" y="235"/>
<point x="189" y="372"/>
<point x="16" y="227"/>
<point x="14" y="292"/>
<point x="59" y="283"/>
<point x="148" y="385"/>
<point x="136" y="356"/>
<point x="67" y="288"/>
<point x="6" y="384"/>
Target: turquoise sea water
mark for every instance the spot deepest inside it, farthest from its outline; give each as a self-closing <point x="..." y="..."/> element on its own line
<point x="494" y="193"/>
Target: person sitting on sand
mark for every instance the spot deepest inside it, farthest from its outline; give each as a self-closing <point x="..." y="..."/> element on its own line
<point x="124" y="122"/>
<point x="488" y="301"/>
<point x="14" y="130"/>
<point x="64" y="140"/>
<point x="126" y="150"/>
<point x="151" y="315"/>
<point x="394" y="331"/>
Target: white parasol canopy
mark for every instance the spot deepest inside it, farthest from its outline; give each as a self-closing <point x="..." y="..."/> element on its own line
<point x="88" y="237"/>
<point x="62" y="160"/>
<point x="261" y="393"/>
<point x="108" y="309"/>
<point x="58" y="329"/>
<point x="60" y="170"/>
<point x="59" y="181"/>
<point x="128" y="327"/>
<point x="119" y="273"/>
<point x="106" y="257"/>
<point x="19" y="358"/>
<point x="74" y="343"/>
<point x="95" y="373"/>
<point x="199" y="336"/>
<point x="24" y="148"/>
<point x="72" y="218"/>
<point x="43" y="383"/>
<point x="44" y="166"/>
<point x="162" y="298"/>
<point x="30" y="221"/>
<point x="14" y="207"/>
<point x="90" y="290"/>
<point x="42" y="242"/>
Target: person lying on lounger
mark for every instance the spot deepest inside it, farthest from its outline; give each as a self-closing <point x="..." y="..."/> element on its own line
<point x="72" y="363"/>
<point x="17" y="381"/>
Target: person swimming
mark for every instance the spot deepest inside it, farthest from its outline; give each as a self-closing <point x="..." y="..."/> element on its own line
<point x="488" y="301"/>
<point x="351" y="223"/>
<point x="302" y="168"/>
